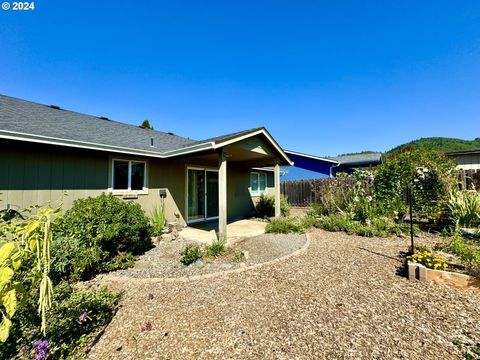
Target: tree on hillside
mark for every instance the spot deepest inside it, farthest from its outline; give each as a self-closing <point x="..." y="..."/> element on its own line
<point x="146" y="125"/>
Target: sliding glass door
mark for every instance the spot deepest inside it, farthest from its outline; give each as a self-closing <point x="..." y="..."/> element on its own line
<point x="202" y="194"/>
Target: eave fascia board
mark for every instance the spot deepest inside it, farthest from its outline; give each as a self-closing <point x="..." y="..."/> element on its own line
<point x="254" y="133"/>
<point x="11" y="135"/>
<point x="189" y="149"/>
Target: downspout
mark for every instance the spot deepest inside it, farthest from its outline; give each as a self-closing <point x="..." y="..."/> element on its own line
<point x="333" y="166"/>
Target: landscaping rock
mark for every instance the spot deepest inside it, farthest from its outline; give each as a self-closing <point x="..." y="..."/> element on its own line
<point x="163" y="260"/>
<point x="199" y="263"/>
<point x="166" y="237"/>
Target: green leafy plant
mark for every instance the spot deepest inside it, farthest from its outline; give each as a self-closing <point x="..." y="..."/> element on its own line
<point x="238" y="256"/>
<point x="285" y="207"/>
<point x="104" y="232"/>
<point x="285" y="225"/>
<point x="429" y="260"/>
<point x="430" y="175"/>
<point x="190" y="254"/>
<point x="75" y="315"/>
<point x="72" y="320"/>
<point x="25" y="243"/>
<point x="463" y="208"/>
<point x="109" y="222"/>
<point x="379" y="226"/>
<point x="157" y="219"/>
<point x="265" y="206"/>
<point x="469" y="254"/>
<point x="215" y="249"/>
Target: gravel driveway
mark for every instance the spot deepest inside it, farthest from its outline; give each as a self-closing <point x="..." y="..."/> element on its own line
<point x="338" y="299"/>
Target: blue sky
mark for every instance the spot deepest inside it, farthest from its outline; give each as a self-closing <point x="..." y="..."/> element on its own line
<point x="324" y="77"/>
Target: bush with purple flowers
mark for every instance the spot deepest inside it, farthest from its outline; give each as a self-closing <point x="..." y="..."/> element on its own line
<point x="40" y="349"/>
<point x="74" y="316"/>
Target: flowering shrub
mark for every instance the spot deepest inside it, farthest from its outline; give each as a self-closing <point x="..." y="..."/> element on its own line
<point x="430" y="175"/>
<point x="429" y="260"/>
<point x="342" y="193"/>
<point x="42" y="318"/>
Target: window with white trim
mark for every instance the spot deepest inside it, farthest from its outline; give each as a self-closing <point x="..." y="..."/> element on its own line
<point x="258" y="183"/>
<point x="129" y="175"/>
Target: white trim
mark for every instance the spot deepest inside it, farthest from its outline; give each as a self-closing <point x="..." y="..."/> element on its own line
<point x="311" y="156"/>
<point x="254" y="133"/>
<point x="205" y="169"/>
<point x="4" y="134"/>
<point x="269" y="169"/>
<point x="129" y="190"/>
<point x="13" y="135"/>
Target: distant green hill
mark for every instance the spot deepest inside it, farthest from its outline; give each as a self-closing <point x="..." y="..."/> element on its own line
<point x="359" y="153"/>
<point x="441" y="144"/>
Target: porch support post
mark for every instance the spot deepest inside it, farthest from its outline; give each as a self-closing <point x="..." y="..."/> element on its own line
<point x="277" y="190"/>
<point x="222" y="195"/>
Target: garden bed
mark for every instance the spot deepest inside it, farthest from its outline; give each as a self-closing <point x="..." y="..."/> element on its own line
<point x="451" y="279"/>
<point x="164" y="260"/>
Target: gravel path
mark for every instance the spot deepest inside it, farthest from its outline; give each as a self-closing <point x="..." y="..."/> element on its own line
<point x="339" y="299"/>
<point x="163" y="260"/>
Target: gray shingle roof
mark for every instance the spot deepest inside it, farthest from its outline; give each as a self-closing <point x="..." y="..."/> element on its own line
<point x="36" y="119"/>
<point x="359" y="159"/>
<point x="29" y="121"/>
<point x="227" y="137"/>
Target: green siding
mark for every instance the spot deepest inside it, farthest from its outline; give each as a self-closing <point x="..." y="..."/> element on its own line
<point x="33" y="174"/>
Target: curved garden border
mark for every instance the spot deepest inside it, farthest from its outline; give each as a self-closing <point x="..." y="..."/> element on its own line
<point x="211" y="275"/>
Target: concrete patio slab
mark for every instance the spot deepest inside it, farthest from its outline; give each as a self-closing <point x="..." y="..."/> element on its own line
<point x="236" y="231"/>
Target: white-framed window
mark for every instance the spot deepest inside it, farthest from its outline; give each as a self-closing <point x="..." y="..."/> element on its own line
<point x="258" y="183"/>
<point x="129" y="175"/>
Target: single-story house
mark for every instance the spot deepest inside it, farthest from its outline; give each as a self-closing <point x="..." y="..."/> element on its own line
<point x="48" y="154"/>
<point x="330" y="166"/>
<point x="465" y="159"/>
<point x="350" y="163"/>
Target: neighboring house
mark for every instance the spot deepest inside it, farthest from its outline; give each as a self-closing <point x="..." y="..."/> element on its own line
<point x="466" y="159"/>
<point x="350" y="163"/>
<point x="311" y="164"/>
<point x="51" y="154"/>
<point x="330" y="166"/>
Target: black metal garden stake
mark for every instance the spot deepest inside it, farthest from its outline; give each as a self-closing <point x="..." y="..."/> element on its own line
<point x="409" y="199"/>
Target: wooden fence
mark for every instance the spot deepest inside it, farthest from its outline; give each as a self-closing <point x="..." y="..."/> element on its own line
<point x="302" y="192"/>
<point x="298" y="192"/>
<point x="469" y="179"/>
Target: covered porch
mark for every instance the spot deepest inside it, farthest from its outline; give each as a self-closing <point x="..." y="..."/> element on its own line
<point x="221" y="185"/>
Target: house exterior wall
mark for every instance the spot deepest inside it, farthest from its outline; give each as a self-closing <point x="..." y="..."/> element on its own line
<point x="467" y="161"/>
<point x="34" y="174"/>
